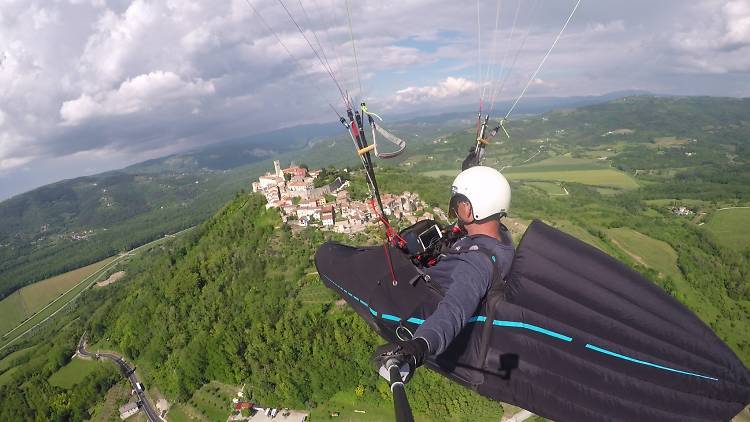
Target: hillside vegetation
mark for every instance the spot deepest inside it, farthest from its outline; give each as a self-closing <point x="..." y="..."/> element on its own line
<point x="70" y="224"/>
<point x="233" y="305"/>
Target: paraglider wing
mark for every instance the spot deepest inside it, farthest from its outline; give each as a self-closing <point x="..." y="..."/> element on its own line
<point x="601" y="342"/>
<point x="572" y="335"/>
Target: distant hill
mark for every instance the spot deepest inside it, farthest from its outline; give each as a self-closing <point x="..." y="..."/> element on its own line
<point x="529" y="105"/>
<point x="71" y="223"/>
<point x="238" y="152"/>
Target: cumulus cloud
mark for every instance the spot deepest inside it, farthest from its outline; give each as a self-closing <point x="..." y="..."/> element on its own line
<point x="717" y="43"/>
<point x="140" y="77"/>
<point x="449" y="88"/>
<point x="142" y="93"/>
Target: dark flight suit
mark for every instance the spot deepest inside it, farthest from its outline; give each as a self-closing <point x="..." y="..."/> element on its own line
<point x="464" y="278"/>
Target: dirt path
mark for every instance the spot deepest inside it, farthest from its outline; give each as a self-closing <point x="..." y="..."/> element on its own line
<point x="637" y="258"/>
<point x="731" y="208"/>
<point x="114" y="277"/>
<point x="519" y="417"/>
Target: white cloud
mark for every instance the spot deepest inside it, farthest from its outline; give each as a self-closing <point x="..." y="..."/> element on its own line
<point x="11" y="156"/>
<point x="142" y="93"/>
<point x="118" y="39"/>
<point x="7" y="164"/>
<point x="449" y="88"/>
<point x="114" y="75"/>
<point x="612" y="26"/>
<point x="737" y="15"/>
<point x="719" y="39"/>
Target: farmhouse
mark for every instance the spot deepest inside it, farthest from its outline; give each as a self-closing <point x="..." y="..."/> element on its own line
<point x="128" y="410"/>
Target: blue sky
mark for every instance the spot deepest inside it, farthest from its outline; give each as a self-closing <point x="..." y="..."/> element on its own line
<point x="94" y="85"/>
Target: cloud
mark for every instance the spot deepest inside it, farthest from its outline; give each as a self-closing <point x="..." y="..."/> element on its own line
<point x="142" y="93"/>
<point x="449" y="88"/>
<point x="140" y="77"/>
<point x="719" y="40"/>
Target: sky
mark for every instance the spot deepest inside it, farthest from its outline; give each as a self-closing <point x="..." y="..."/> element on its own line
<point x="93" y="85"/>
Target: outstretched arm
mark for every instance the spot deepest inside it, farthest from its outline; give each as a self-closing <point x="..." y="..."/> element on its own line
<point x="471" y="280"/>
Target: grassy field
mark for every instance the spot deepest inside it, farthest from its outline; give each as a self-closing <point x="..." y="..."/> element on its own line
<point x="5" y="377"/>
<point x="12" y="311"/>
<point x="669" y="141"/>
<point x="24" y="302"/>
<point x="73" y="373"/>
<point x="583" y="235"/>
<point x="647" y="251"/>
<point x="346" y="403"/>
<point x="313" y="291"/>
<point x="564" y="163"/>
<point x="53" y="308"/>
<point x="563" y="169"/>
<point x="550" y="188"/>
<point x="661" y="257"/>
<point x="8" y="361"/>
<point x="603" y="177"/>
<point x="731" y="227"/>
<point x="212" y="402"/>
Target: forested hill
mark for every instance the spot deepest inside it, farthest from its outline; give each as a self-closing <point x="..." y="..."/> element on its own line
<point x="238" y="301"/>
<point x="72" y="223"/>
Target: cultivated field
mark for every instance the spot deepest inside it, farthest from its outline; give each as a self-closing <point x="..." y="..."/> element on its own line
<point x="12" y="311"/>
<point x="605" y="177"/>
<point x="670" y="141"/>
<point x="550" y="188"/>
<point x="24" y="302"/>
<point x="563" y="169"/>
<point x="73" y="373"/>
<point x="731" y="227"/>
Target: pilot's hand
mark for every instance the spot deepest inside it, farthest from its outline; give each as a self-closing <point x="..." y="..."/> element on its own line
<point x="410" y="354"/>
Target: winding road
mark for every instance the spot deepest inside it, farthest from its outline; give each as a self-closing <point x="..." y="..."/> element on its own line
<point x="151" y="414"/>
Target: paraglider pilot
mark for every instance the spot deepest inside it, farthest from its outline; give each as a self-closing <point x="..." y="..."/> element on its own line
<point x="480" y="198"/>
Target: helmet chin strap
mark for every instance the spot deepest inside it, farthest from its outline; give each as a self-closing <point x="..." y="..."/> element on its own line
<point x="461" y="222"/>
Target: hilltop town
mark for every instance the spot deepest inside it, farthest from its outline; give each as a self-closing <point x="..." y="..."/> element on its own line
<point x="292" y="191"/>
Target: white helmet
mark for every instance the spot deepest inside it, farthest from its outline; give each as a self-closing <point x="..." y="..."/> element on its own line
<point x="485" y="188"/>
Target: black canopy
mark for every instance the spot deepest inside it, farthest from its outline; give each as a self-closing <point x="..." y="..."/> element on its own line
<point x="572" y="335"/>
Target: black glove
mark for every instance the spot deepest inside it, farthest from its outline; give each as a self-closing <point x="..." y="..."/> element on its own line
<point x="411" y="352"/>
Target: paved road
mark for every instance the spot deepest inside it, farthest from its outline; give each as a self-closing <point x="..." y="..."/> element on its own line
<point x="151" y="414"/>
